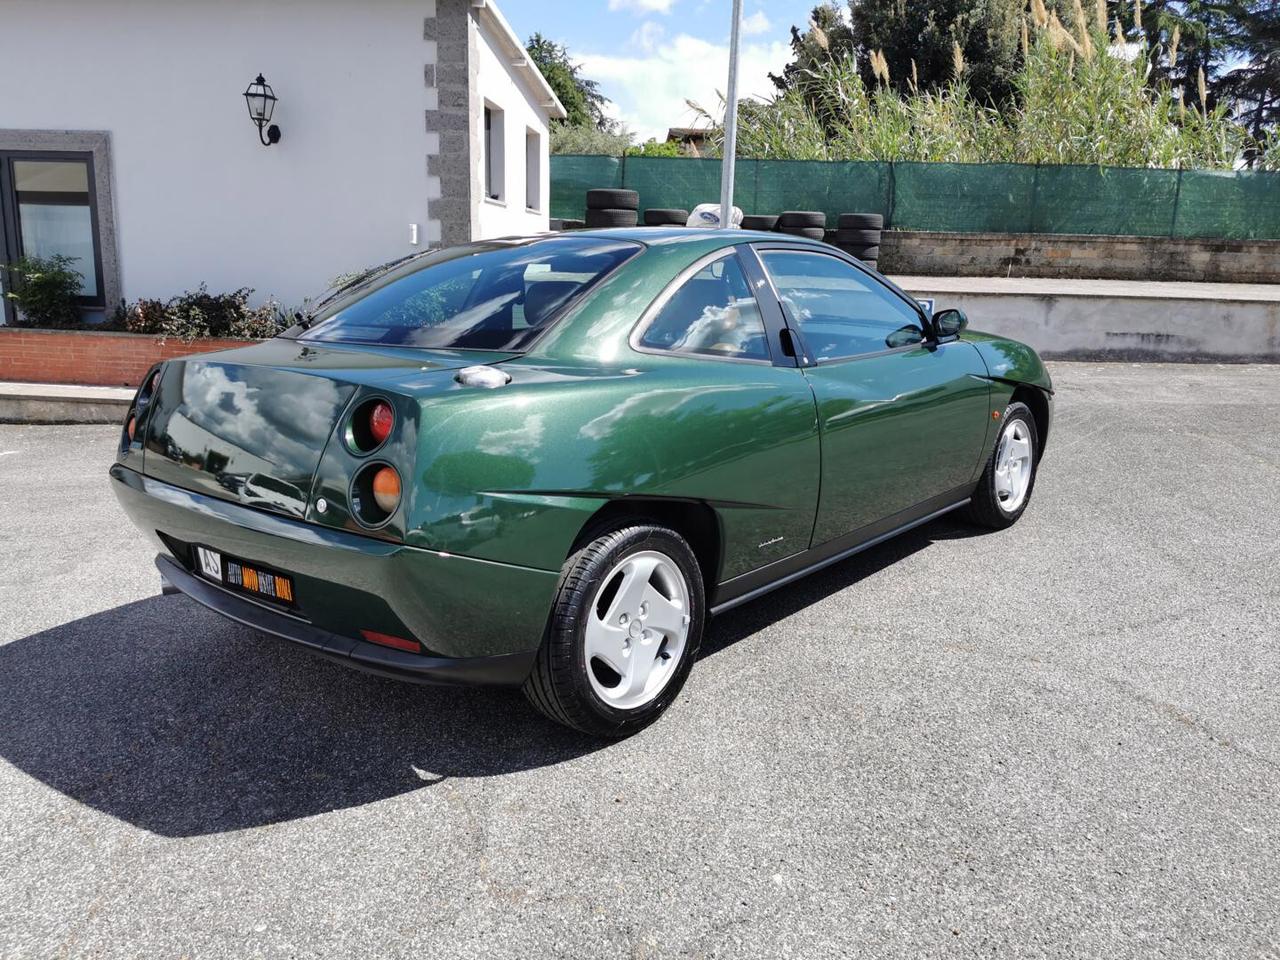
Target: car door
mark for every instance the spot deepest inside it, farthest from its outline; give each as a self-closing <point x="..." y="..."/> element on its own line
<point x="902" y="417"/>
<point x="739" y="426"/>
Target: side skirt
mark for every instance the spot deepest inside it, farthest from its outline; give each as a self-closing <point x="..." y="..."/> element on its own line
<point x="747" y="587"/>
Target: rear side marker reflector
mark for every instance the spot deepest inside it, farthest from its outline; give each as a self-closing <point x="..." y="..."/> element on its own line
<point x="387" y="640"/>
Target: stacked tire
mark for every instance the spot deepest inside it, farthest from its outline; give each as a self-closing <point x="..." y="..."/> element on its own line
<point x="612" y="208"/>
<point x="803" y="223"/>
<point x="858" y="234"/>
<point x="756" y="221"/>
<point x="665" y="217"/>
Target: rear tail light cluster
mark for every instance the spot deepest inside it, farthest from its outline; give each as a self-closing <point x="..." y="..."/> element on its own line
<point x="376" y="489"/>
<point x="370" y="425"/>
<point x="375" y="494"/>
<point x="138" y="409"/>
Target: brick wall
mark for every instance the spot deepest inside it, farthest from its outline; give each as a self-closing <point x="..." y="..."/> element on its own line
<point x="90" y="357"/>
<point x="1073" y="256"/>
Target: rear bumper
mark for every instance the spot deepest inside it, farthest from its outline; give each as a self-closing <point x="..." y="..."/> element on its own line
<point x="507" y="669"/>
<point x="477" y="620"/>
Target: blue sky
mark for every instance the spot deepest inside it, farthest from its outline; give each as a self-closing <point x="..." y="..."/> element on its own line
<point x="650" y="56"/>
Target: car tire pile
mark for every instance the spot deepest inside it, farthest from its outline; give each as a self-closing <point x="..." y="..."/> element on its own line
<point x="857" y="234"/>
<point x="811" y="224"/>
<point x="612" y="208"/>
<point x="665" y="217"/>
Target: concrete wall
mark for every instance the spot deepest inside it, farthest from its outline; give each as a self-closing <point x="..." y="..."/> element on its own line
<point x="197" y="197"/>
<point x="378" y="106"/>
<point x="1079" y="256"/>
<point x="1118" y="320"/>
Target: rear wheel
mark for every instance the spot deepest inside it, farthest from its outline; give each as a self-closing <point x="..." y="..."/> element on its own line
<point x="624" y="632"/>
<point x="1004" y="491"/>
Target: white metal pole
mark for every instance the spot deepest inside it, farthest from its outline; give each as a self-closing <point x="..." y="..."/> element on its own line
<point x="729" y="157"/>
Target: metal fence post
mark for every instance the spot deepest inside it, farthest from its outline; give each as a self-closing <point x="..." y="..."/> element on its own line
<point x="1177" y="199"/>
<point x="1035" y="200"/>
<point x="893" y="197"/>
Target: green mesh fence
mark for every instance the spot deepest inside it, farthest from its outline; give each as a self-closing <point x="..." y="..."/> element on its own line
<point x="950" y="197"/>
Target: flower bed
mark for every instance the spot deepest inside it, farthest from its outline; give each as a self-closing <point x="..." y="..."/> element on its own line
<point x="92" y="357"/>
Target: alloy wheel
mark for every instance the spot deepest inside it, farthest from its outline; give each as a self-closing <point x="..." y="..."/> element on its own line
<point x="637" y="629"/>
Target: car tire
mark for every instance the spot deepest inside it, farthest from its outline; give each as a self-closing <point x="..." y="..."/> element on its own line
<point x="860" y="253"/>
<point x="811" y="233"/>
<point x="609" y="199"/>
<point x="572" y="681"/>
<point x="802" y="218"/>
<point x="611" y="218"/>
<point x="665" y="217"/>
<point x="1001" y="497"/>
<point x="860" y="221"/>
<point x="867" y="238"/>
<point x="758" y="221"/>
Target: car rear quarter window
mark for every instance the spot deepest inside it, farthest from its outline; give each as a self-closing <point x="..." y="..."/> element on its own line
<point x="838" y="310"/>
<point x="483" y="296"/>
<point x="713" y="313"/>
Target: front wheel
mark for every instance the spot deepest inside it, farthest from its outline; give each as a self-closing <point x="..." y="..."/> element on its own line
<point x="1004" y="491"/>
<point x="624" y="632"/>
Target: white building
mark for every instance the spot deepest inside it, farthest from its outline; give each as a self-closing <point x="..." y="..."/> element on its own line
<point x="125" y="138"/>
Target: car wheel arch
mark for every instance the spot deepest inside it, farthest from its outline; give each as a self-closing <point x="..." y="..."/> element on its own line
<point x="695" y="520"/>
<point x="1038" y="403"/>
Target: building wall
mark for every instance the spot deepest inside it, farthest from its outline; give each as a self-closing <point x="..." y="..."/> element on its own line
<point x="1073" y="256"/>
<point x="197" y="198"/>
<point x="521" y="113"/>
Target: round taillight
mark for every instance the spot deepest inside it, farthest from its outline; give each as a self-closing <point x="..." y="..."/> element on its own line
<point x="381" y="419"/>
<point x="386" y="489"/>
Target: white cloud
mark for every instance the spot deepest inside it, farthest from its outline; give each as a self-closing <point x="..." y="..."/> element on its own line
<point x="649" y="92"/>
<point x="756" y="23"/>
<point x="648" y="36"/>
<point x="642" y="6"/>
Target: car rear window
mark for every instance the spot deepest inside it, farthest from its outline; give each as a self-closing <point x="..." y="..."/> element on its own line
<point x="495" y="295"/>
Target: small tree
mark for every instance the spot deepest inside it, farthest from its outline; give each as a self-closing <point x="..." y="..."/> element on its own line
<point x="45" y="291"/>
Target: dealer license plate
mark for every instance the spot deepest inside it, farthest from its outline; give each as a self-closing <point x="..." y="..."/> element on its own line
<point x="245" y="577"/>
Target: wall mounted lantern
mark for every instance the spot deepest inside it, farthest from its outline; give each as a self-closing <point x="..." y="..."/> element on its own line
<point x="262" y="102"/>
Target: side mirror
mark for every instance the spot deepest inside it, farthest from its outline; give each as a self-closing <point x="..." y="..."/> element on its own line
<point x="949" y="323"/>
<point x="904" y="336"/>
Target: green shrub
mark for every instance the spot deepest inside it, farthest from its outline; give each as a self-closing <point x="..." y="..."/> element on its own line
<point x="656" y="148"/>
<point x="566" y="138"/>
<point x="45" y="289"/>
<point x="199" y="313"/>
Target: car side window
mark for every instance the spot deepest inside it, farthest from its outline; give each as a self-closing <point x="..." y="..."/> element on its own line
<point x="713" y="313"/>
<point x="839" y="311"/>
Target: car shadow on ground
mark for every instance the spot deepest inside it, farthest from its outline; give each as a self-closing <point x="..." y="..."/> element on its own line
<point x="162" y="714"/>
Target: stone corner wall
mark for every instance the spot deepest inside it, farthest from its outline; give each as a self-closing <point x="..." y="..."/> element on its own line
<point x="450" y="64"/>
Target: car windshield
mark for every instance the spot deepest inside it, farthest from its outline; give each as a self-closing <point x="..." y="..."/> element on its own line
<point x="484" y="296"/>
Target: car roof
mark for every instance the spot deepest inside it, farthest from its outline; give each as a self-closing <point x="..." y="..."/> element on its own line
<point x="655" y="236"/>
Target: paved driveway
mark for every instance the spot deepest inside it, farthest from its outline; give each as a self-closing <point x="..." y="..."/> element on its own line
<point x="1059" y="740"/>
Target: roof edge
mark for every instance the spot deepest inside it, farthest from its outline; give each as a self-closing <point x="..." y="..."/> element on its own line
<point x="520" y="61"/>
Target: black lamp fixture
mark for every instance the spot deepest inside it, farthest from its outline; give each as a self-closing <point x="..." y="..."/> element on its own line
<point x="262" y="102"/>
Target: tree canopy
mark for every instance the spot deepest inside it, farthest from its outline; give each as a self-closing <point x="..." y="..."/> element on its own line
<point x="581" y="98"/>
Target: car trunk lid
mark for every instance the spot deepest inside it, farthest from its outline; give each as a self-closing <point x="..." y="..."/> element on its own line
<point x="250" y="425"/>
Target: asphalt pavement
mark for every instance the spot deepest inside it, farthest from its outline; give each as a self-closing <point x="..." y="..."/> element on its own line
<point x="1059" y="740"/>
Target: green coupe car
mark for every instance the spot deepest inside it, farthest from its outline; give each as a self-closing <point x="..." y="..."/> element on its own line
<point x="548" y="461"/>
